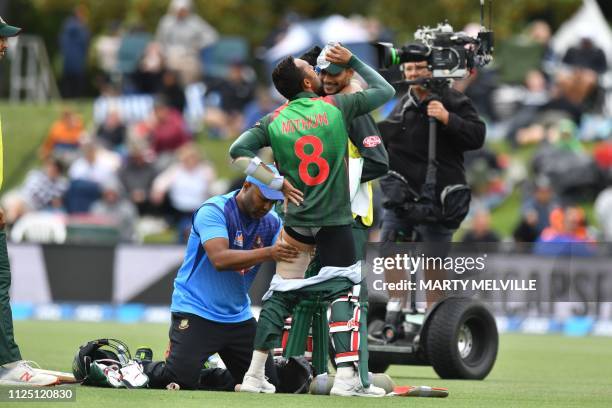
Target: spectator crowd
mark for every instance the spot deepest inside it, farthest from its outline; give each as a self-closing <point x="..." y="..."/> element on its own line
<point x="140" y="160"/>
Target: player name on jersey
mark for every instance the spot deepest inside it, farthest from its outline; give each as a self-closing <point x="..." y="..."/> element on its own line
<point x="308" y="122"/>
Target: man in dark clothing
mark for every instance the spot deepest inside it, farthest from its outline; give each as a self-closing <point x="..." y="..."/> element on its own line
<point x="137" y="174"/>
<point x="74" y="43"/>
<point x="405" y="132"/>
<point x="586" y="55"/>
<point x="405" y="135"/>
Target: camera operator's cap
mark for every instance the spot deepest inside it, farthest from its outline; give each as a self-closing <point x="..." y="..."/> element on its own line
<point x="267" y="192"/>
<point x="8" y="30"/>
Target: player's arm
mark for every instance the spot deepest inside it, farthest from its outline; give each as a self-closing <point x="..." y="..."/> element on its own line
<point x="379" y="91"/>
<point x="464" y="125"/>
<point x="210" y="225"/>
<point x="244" y="155"/>
<point x="250" y="141"/>
<point x="364" y="134"/>
<point x="225" y="259"/>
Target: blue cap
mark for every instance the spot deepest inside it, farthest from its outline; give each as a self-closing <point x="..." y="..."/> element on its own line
<point x="267" y="192"/>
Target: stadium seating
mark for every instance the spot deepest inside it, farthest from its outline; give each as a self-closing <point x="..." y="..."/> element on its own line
<point x="217" y="57"/>
<point x="135" y="108"/>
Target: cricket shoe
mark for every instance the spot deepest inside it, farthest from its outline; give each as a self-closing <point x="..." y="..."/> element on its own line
<point x="254" y="384"/>
<point x="21" y="373"/>
<point x="352" y="387"/>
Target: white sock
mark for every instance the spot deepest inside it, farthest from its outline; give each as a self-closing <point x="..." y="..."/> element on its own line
<point x="345" y="372"/>
<point x="258" y="364"/>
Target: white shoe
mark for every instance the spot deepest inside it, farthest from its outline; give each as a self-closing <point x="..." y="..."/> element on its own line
<point x="349" y="387"/>
<point x="254" y="384"/>
<point x="21" y="373"/>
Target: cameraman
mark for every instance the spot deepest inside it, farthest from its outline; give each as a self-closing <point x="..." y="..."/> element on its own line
<point x="405" y="135"/>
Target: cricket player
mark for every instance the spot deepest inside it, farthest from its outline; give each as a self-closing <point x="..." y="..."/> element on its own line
<point x="13" y="370"/>
<point x="368" y="160"/>
<point x="231" y="235"/>
<point x="309" y="139"/>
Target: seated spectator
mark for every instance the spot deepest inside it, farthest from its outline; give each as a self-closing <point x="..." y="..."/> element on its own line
<point x="234" y="93"/>
<point x="87" y="174"/>
<point x="586" y="62"/>
<point x="182" y="35"/>
<point x="263" y="104"/>
<point x="586" y="55"/>
<point x="81" y="195"/>
<point x="137" y="175"/>
<point x="536" y="128"/>
<point x="64" y="136"/>
<point x="536" y="89"/>
<point x="485" y="175"/>
<point x="106" y="49"/>
<point x="480" y="228"/>
<point x="172" y="91"/>
<point x="92" y="165"/>
<point x="540" y="32"/>
<point x="526" y="230"/>
<point x="111" y="133"/>
<point x="168" y="130"/>
<point x="567" y="226"/>
<point x="117" y="209"/>
<point x="148" y="75"/>
<point x="535" y="211"/>
<point x="131" y="50"/>
<point x="534" y="96"/>
<point x="183" y="187"/>
<point x="42" y="189"/>
<point x="571" y="169"/>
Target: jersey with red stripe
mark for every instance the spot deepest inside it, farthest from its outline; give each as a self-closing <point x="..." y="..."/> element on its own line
<point x="309" y="139"/>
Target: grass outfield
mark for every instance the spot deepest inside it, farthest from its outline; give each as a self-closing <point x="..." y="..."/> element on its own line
<point x="531" y="371"/>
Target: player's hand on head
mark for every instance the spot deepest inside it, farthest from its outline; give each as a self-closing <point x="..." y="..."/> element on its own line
<point x="282" y="251"/>
<point x="338" y="55"/>
<point x="291" y="193"/>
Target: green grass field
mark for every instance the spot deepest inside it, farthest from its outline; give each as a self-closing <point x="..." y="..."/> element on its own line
<point x="531" y="371"/>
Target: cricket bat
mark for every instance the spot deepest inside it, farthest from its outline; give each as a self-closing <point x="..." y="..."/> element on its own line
<point x="420" y="391"/>
<point x="64" y="378"/>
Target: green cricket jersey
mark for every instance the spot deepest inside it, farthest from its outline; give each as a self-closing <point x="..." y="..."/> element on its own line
<point x="309" y="138"/>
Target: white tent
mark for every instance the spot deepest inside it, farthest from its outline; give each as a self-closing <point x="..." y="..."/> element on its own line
<point x="588" y="20"/>
<point x="303" y="35"/>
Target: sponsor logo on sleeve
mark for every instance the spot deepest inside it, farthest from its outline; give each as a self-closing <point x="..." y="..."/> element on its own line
<point x="371" y="141"/>
<point x="239" y="239"/>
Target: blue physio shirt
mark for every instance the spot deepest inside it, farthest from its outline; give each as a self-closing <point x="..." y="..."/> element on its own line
<point x="221" y="296"/>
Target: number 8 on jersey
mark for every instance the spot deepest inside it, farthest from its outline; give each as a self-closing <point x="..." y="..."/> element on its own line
<point x="311" y="158"/>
